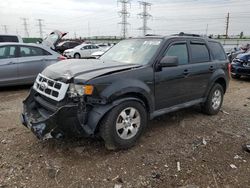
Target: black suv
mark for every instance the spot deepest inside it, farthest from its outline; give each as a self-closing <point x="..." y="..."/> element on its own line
<point x="136" y="80"/>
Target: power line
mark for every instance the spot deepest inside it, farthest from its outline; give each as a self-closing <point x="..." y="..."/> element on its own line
<point x="124" y="14"/>
<point x="227" y="24"/>
<point x="5" y="29"/>
<point x="40" y="25"/>
<point x="144" y="15"/>
<point x="25" y="26"/>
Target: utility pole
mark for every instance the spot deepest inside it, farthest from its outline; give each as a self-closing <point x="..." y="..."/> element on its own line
<point x="207" y="30"/>
<point x="144" y="15"/>
<point x="124" y="14"/>
<point x="5" y="29"/>
<point x="25" y="26"/>
<point x="40" y="25"/>
<point x="88" y="29"/>
<point x="227" y="24"/>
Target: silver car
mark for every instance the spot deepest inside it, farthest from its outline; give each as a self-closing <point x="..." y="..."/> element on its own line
<point x="20" y="63"/>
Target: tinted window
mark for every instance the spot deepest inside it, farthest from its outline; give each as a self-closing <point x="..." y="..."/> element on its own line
<point x="200" y="53"/>
<point x="8" y="39"/>
<point x="73" y="44"/>
<point x="217" y="51"/>
<point x="94" y="47"/>
<point x="26" y="51"/>
<point x="180" y="51"/>
<point x="7" y="52"/>
<point x="87" y="47"/>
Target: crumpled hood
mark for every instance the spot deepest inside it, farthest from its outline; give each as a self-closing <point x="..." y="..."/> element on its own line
<point x="244" y="57"/>
<point x="83" y="69"/>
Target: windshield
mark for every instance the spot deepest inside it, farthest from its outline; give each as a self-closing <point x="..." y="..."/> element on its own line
<point x="133" y="51"/>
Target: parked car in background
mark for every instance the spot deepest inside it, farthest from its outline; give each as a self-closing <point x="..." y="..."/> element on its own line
<point x="11" y="38"/>
<point x="65" y="45"/>
<point x="241" y="65"/>
<point x="53" y="39"/>
<point x="82" y="51"/>
<point x="104" y="47"/>
<point x="97" y="54"/>
<point x="20" y="63"/>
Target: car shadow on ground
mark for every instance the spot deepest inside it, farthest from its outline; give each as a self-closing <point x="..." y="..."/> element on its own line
<point x="15" y="88"/>
<point x="72" y="147"/>
<point x="245" y="79"/>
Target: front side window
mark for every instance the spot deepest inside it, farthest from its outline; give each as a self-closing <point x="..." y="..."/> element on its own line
<point x="180" y="51"/>
<point x="7" y="52"/>
<point x="132" y="51"/>
<point x="199" y="53"/>
<point x="28" y="51"/>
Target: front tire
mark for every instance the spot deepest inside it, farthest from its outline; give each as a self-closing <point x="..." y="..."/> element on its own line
<point x="214" y="100"/>
<point x="77" y="56"/>
<point x="123" y="125"/>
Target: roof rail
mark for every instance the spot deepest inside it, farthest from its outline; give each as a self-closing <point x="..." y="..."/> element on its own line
<point x="186" y="34"/>
<point x="151" y="35"/>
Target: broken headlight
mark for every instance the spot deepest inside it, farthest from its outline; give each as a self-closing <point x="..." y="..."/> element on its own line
<point x="80" y="90"/>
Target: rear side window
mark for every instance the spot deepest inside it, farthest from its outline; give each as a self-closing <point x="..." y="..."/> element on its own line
<point x="7" y="52"/>
<point x="29" y="51"/>
<point x="199" y="53"/>
<point x="8" y="39"/>
<point x="217" y="51"/>
<point x="180" y="51"/>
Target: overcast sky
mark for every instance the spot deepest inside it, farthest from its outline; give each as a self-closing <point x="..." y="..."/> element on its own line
<point x="100" y="17"/>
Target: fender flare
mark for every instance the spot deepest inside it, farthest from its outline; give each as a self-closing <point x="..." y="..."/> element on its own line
<point x="98" y="112"/>
<point x="213" y="80"/>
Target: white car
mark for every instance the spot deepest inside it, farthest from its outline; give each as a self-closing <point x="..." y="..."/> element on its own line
<point x="81" y="51"/>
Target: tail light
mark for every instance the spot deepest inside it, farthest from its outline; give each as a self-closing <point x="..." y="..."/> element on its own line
<point x="60" y="58"/>
<point x="229" y="68"/>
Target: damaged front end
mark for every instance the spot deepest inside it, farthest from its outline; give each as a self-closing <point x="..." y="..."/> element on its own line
<point x="49" y="113"/>
<point x="66" y="120"/>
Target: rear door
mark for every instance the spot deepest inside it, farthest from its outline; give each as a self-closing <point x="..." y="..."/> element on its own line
<point x="8" y="65"/>
<point x="94" y="48"/>
<point x="202" y="68"/>
<point x="86" y="51"/>
<point x="32" y="61"/>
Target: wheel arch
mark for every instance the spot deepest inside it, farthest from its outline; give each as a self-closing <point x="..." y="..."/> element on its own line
<point x="98" y="113"/>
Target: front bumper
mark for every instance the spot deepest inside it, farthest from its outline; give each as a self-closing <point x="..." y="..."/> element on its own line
<point x="66" y="120"/>
<point x="240" y="70"/>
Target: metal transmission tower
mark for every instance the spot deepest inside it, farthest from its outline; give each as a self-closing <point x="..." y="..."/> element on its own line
<point x="5" y="29"/>
<point x="25" y="26"/>
<point x="144" y="16"/>
<point x="227" y="24"/>
<point x="124" y="14"/>
<point x="40" y="25"/>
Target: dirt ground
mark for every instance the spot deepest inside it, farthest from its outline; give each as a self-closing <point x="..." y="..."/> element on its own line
<point x="183" y="149"/>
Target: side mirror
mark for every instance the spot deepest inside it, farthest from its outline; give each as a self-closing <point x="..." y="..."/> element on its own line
<point x="169" y="61"/>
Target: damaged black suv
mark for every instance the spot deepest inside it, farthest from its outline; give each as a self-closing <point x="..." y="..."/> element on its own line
<point x="136" y="80"/>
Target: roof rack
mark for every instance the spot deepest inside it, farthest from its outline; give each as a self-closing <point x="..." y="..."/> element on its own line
<point x="186" y="34"/>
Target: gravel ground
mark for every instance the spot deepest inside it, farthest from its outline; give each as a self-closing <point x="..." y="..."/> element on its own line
<point x="183" y="149"/>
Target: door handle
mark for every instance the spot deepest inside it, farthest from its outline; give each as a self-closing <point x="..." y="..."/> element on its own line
<point x="10" y="63"/>
<point x="186" y="72"/>
<point x="211" y="68"/>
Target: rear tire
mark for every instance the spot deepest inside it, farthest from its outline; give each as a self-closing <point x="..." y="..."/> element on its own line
<point x="214" y="100"/>
<point x="123" y="125"/>
<point x="77" y="56"/>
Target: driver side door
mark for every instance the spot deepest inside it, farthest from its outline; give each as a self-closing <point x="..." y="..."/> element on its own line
<point x="171" y="83"/>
